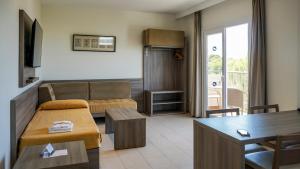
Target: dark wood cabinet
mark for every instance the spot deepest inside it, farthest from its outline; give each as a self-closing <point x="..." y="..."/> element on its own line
<point x="164" y="38"/>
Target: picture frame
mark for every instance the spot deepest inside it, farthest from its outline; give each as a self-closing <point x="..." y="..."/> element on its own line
<point x="94" y="43"/>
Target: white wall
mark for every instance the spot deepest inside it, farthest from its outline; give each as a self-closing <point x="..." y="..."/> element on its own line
<point x="60" y="22"/>
<point x="228" y="13"/>
<point x="282" y="52"/>
<point x="9" y="30"/>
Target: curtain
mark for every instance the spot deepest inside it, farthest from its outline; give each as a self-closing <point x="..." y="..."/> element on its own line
<point x="258" y="60"/>
<point x="196" y="88"/>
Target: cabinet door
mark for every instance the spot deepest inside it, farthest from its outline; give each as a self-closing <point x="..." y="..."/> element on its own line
<point x="164" y="38"/>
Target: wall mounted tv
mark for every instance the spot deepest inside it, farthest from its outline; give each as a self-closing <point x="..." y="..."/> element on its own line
<point x="34" y="58"/>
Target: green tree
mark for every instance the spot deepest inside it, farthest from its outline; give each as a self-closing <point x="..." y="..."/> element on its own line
<point x="239" y="65"/>
<point x="215" y="64"/>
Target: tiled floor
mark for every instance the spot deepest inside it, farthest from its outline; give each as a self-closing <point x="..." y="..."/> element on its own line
<point x="169" y="146"/>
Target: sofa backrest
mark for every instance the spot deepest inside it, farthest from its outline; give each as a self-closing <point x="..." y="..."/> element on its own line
<point x="95" y="90"/>
<point x="110" y="90"/>
<point x="46" y="93"/>
<point x="71" y="90"/>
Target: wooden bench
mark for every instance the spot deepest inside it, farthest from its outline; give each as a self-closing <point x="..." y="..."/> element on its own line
<point x="128" y="126"/>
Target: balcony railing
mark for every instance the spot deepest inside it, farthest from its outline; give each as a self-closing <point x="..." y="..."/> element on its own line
<point x="235" y="80"/>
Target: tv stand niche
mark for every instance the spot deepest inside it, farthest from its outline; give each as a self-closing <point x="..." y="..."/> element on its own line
<point x="26" y="74"/>
<point x="165" y="102"/>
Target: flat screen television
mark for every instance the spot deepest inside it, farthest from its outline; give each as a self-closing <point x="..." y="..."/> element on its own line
<point x="34" y="59"/>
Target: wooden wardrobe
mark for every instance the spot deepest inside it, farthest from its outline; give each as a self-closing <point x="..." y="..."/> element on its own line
<point x="165" y="71"/>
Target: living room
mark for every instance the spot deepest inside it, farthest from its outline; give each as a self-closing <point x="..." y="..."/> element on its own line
<point x="166" y="62"/>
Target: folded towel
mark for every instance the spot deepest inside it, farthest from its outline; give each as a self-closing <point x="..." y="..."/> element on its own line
<point x="61" y="127"/>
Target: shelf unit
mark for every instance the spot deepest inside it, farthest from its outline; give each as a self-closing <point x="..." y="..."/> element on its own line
<point x="165" y="102"/>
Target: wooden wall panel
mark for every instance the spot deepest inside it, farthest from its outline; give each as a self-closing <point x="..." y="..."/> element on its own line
<point x="162" y="71"/>
<point x="22" y="109"/>
<point x="25" y="31"/>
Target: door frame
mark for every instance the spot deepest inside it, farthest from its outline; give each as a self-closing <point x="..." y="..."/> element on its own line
<point x="222" y="30"/>
<point x="224" y="78"/>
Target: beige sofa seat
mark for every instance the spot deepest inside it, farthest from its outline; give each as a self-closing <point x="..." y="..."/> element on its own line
<point x="98" y="106"/>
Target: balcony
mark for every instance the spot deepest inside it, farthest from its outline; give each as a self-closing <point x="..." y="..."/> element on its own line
<point x="237" y="90"/>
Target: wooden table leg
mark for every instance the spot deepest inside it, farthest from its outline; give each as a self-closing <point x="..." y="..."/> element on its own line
<point x="214" y="151"/>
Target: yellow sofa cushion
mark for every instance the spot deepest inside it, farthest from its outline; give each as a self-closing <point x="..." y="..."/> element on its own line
<point x="99" y="106"/>
<point x="64" y="104"/>
<point x="85" y="128"/>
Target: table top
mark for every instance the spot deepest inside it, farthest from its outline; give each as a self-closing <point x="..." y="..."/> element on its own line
<point x="118" y="114"/>
<point x="30" y="157"/>
<point x="262" y="127"/>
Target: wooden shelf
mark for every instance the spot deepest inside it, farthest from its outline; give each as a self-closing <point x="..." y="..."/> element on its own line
<point x="168" y="102"/>
<point x="167" y="112"/>
<point x="32" y="80"/>
<point x="166" y="91"/>
<point x="165" y="102"/>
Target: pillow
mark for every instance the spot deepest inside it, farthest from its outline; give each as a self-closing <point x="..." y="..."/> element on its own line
<point x="64" y="104"/>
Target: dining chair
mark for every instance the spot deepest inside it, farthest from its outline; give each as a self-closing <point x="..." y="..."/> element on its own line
<point x="281" y="158"/>
<point x="235" y="98"/>
<point x="222" y="112"/>
<point x="265" y="108"/>
<point x="249" y="148"/>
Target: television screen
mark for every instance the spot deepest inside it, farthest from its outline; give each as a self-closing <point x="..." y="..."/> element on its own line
<point x="36" y="45"/>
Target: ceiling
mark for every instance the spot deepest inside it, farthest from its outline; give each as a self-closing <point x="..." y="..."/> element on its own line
<point x="161" y="6"/>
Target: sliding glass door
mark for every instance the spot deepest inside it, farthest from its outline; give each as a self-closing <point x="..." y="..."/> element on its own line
<point x="227" y="53"/>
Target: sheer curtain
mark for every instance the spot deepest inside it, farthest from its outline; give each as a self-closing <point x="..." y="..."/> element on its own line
<point x="197" y="77"/>
<point x="258" y="59"/>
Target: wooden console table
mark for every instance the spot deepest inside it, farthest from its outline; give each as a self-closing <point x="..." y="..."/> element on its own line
<point x="218" y="145"/>
<point x="128" y="126"/>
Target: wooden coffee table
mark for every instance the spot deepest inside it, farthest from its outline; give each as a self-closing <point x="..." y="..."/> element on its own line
<point x="76" y="159"/>
<point x="128" y="126"/>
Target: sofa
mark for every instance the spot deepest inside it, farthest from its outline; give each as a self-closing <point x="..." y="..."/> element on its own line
<point x="100" y="95"/>
<point x="76" y="111"/>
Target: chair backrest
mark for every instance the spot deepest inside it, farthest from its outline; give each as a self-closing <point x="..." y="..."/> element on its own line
<point x="235" y="98"/>
<point x="286" y="155"/>
<point x="263" y="109"/>
<point x="223" y="112"/>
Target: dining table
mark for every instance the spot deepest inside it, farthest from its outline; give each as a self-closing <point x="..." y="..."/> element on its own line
<point x="218" y="145"/>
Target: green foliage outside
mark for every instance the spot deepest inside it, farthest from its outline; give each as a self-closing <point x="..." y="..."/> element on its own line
<point x="237" y="73"/>
<point x="233" y="65"/>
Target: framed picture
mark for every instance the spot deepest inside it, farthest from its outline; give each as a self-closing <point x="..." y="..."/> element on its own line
<point x="94" y="43"/>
